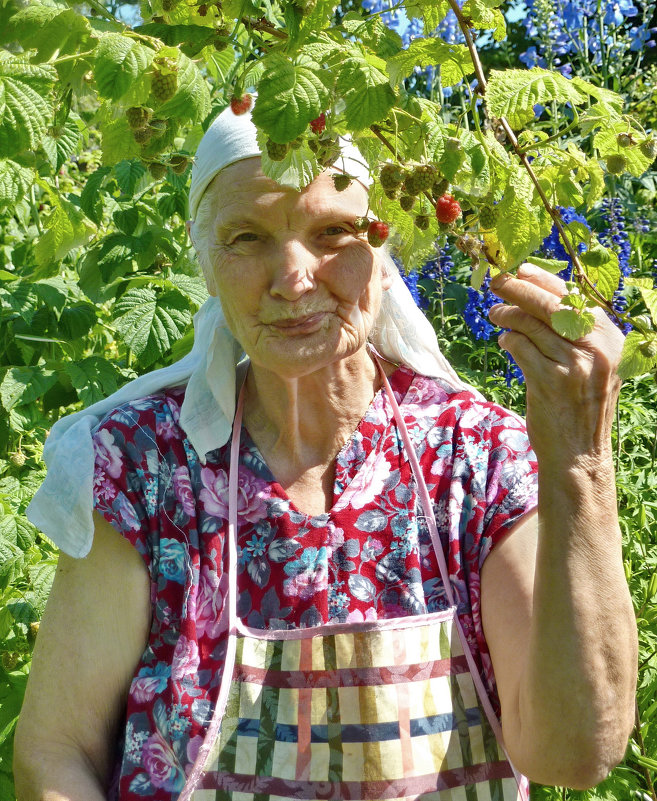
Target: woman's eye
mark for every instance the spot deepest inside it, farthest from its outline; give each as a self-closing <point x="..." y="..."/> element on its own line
<point x="336" y="230"/>
<point x="246" y="236"/>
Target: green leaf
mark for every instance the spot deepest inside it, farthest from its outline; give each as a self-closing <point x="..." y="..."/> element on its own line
<point x="192" y="288"/>
<point x="41" y="578"/>
<point x="150" y="323"/>
<point x="454" y="60"/>
<point x="606" y="141"/>
<point x="22" y="385"/>
<point x="67" y="228"/>
<point x="553" y="266"/>
<point x="633" y="362"/>
<point x="118" y="141"/>
<point x="49" y="29"/>
<point x="373" y="33"/>
<point x="76" y="321"/>
<point x="514" y="93"/>
<point x="15" y="181"/>
<point x="606" y="276"/>
<point x="18" y="530"/>
<point x="192" y="99"/>
<point x="433" y="12"/>
<point x="128" y="173"/>
<point x="26" y="110"/>
<point x="289" y="97"/>
<point x="195" y="37"/>
<point x="90" y="200"/>
<point x="366" y="91"/>
<point x="120" y="60"/>
<point x="10" y="555"/>
<point x="61" y="141"/>
<point x="93" y="378"/>
<point x="648" y="294"/>
<point x="572" y="324"/>
<point x="524" y="227"/>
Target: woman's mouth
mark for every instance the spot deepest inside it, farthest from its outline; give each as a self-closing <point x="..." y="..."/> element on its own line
<point x="300" y="325"/>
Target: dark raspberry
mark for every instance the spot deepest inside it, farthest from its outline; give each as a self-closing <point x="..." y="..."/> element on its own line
<point x="220" y="44"/>
<point x="616" y="164"/>
<point x="422" y="221"/>
<point x="178" y="164"/>
<point x="447" y="209"/>
<point x="361" y="224"/>
<point x="240" y="105"/>
<point x="297" y="143"/>
<point x="163" y="87"/>
<point x="202" y="10"/>
<point x="392" y="176"/>
<point x="341" y="181"/>
<point x="377" y="233"/>
<point x="276" y="151"/>
<point x="488" y="217"/>
<point x="407" y="202"/>
<point x="157" y="170"/>
<point x="314" y="145"/>
<point x="649" y="148"/>
<point x="319" y="124"/>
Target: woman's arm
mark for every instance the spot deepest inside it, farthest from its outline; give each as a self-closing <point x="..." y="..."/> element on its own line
<point x="93" y="633"/>
<point x="556" y="609"/>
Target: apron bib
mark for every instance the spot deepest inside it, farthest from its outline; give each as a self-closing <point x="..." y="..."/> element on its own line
<point x="391" y="709"/>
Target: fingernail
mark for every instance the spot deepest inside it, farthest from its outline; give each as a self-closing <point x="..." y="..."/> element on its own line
<point x="527" y="270"/>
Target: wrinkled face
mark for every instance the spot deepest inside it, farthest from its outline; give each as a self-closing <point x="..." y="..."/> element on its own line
<point x="299" y="286"/>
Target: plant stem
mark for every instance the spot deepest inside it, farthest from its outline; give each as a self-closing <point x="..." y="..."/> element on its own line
<point x="642" y="746"/>
<point x="35" y="210"/>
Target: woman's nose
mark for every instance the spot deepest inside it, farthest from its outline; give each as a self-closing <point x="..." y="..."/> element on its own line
<point x="293" y="272"/>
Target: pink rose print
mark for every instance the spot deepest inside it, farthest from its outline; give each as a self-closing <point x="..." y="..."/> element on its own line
<point x="182" y="486"/>
<point x="161" y="764"/>
<point x="185" y="658"/>
<point x="251" y="492"/>
<point x="358" y="617"/>
<point x="368" y="484"/>
<point x="108" y="456"/>
<point x="209" y="604"/>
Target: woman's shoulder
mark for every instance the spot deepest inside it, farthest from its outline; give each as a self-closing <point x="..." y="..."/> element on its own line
<point x="163" y="405"/>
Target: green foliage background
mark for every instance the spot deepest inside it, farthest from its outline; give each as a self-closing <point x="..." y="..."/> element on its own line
<point x="97" y="283"/>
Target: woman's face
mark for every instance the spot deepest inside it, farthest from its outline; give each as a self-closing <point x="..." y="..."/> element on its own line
<point x="299" y="286"/>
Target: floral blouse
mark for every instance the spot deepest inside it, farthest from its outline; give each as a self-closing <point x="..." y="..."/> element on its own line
<point x="370" y="557"/>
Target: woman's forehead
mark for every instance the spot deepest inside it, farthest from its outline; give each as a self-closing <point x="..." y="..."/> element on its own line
<point x="243" y="186"/>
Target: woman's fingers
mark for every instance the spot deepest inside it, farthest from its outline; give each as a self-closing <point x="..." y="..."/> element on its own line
<point x="535" y="291"/>
<point x="544" y="338"/>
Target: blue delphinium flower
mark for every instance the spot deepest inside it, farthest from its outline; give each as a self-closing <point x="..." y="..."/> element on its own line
<point x="476" y="310"/>
<point x="411" y="279"/>
<point x="616" y="238"/>
<point x="553" y="247"/>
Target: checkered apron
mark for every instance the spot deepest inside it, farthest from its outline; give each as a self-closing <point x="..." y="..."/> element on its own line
<point x="391" y="709"/>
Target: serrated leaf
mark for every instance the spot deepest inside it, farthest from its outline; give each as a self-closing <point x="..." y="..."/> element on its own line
<point x="150" y="323"/>
<point x="41" y="578"/>
<point x="10" y="554"/>
<point x="373" y="33"/>
<point x="604" y="277"/>
<point x="454" y="59"/>
<point x="553" y="266"/>
<point x="571" y="324"/>
<point x="192" y="99"/>
<point x="90" y="201"/>
<point x="366" y="91"/>
<point x="514" y="93"/>
<point x="118" y="142"/>
<point x="66" y="228"/>
<point x="49" y="29"/>
<point x="289" y="97"/>
<point x="15" y="181"/>
<point x="128" y="173"/>
<point x="433" y="12"/>
<point x="632" y="361"/>
<point x="76" y="321"/>
<point x="22" y="385"/>
<point x="93" y="378"/>
<point x="194" y="289"/>
<point x="26" y="109"/>
<point x="606" y="141"/>
<point x="195" y="37"/>
<point x="59" y="144"/>
<point x="120" y="60"/>
<point x="521" y="230"/>
<point x="18" y="530"/>
<point x="648" y="294"/>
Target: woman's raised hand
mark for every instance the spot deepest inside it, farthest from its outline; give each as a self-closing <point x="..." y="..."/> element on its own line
<point x="572" y="387"/>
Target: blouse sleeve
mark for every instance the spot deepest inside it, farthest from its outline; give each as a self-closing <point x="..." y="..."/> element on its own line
<point x="126" y="474"/>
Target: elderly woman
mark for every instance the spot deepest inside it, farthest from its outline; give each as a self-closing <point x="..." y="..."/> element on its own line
<point x="341" y="599"/>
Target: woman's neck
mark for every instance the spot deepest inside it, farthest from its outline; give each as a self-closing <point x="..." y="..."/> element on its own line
<point x="300" y="424"/>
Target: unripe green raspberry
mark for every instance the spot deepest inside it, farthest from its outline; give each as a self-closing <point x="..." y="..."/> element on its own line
<point x="392" y="176"/>
<point x="488" y="217"/>
<point x="157" y="170"/>
<point x="440" y="186"/>
<point x="616" y="164"/>
<point x="424" y="176"/>
<point x="341" y="181"/>
<point x="142" y="135"/>
<point x="276" y="151"/>
<point x="392" y="194"/>
<point x="407" y="202"/>
<point x="649" y="148"/>
<point x="422" y="221"/>
<point x="163" y="87"/>
<point x="362" y="223"/>
<point x="18" y="459"/>
<point x="178" y="164"/>
<point x="624" y="140"/>
<point x="138" y="117"/>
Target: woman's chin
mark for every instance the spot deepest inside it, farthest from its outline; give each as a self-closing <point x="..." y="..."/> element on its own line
<point x="294" y="358"/>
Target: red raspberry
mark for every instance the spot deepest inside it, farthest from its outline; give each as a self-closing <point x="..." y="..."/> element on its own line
<point x="447" y="209"/>
<point x="319" y="124"/>
<point x="377" y="233"/>
<point x="240" y="105"/>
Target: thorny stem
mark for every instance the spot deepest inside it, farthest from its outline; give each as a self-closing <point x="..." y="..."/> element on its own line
<point x="264" y="26"/>
<point x="556" y="217"/>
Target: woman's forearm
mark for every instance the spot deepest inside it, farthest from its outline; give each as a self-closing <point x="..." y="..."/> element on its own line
<point x="577" y="690"/>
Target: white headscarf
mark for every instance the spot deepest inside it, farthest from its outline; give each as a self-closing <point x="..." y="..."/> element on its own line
<point x="62" y="507"/>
